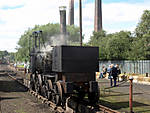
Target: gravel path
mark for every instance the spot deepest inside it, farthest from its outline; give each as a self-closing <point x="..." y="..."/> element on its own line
<point x="118" y="97"/>
<point x="14" y="98"/>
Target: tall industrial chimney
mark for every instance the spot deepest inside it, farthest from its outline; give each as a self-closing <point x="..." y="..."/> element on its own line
<point x="71" y="12"/>
<point x="98" y="16"/>
<point x="62" y="10"/>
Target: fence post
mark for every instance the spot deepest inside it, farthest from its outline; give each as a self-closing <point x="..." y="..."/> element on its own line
<point x="131" y="94"/>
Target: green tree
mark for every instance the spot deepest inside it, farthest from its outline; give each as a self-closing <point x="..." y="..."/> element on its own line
<point x="73" y="33"/>
<point x="141" y="45"/>
<point x="48" y="31"/>
<point x="97" y="38"/>
<point x="114" y="46"/>
<point x="118" y="46"/>
<point x="143" y="26"/>
<point x="140" y="49"/>
<point x="3" y="53"/>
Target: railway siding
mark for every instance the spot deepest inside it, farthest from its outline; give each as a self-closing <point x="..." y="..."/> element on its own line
<point x="14" y="98"/>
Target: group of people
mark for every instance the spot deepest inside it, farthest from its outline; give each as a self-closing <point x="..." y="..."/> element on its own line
<point x="113" y="73"/>
<point x="25" y="66"/>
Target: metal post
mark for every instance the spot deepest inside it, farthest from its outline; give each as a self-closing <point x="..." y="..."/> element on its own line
<point x="35" y="41"/>
<point x="131" y="94"/>
<point x="80" y="22"/>
<point x="29" y="43"/>
<point x="39" y="36"/>
<point x="39" y="42"/>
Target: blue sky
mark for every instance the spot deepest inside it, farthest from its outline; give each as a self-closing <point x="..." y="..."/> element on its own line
<point x="11" y="7"/>
<point x="116" y="1"/>
<point x="19" y="15"/>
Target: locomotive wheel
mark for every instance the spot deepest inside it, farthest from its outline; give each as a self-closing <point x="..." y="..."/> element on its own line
<point x="47" y="90"/>
<point x="38" y="84"/>
<point x="44" y="91"/>
<point x="50" y="85"/>
<point x="40" y="80"/>
<point x="32" y="85"/>
<point x="50" y="89"/>
<point x="31" y="82"/>
<point x="58" y="96"/>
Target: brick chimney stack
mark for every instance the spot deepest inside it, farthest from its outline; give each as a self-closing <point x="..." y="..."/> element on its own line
<point x="98" y="16"/>
<point x="62" y="10"/>
<point x="71" y="12"/>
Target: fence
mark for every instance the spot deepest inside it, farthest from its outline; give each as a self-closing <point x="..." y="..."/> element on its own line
<point x="140" y="66"/>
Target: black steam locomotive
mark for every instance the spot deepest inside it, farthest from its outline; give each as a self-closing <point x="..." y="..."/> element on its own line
<point x="63" y="71"/>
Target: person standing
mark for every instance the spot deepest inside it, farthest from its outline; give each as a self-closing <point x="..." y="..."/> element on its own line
<point x="25" y="68"/>
<point x="104" y="70"/>
<point x="109" y="74"/>
<point x="118" y="71"/>
<point x="28" y="67"/>
<point x="15" y="65"/>
<point x="114" y="74"/>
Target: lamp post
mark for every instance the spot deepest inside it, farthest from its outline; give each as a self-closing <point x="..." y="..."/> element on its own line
<point x="80" y="20"/>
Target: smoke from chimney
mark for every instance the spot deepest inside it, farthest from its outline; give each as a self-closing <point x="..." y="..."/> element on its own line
<point x="98" y="16"/>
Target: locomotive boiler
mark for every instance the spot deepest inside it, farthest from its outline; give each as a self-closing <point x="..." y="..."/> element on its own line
<point x="59" y="72"/>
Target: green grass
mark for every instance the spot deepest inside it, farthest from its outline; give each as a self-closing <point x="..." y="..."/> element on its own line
<point x="120" y="101"/>
<point x="20" y="111"/>
<point x="20" y="66"/>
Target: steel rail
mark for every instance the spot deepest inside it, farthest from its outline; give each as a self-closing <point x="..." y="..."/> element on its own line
<point x="106" y="109"/>
<point x="44" y="100"/>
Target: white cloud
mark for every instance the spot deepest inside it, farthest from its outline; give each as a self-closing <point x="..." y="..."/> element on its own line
<point x="123" y="12"/>
<point x="8" y="43"/>
<point x="16" y="21"/>
<point x="20" y="19"/>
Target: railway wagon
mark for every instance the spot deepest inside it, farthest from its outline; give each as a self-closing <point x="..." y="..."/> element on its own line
<point x="59" y="72"/>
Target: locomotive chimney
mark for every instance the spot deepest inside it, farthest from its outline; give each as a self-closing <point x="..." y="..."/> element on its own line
<point x="71" y="12"/>
<point x="62" y="10"/>
<point x="98" y="16"/>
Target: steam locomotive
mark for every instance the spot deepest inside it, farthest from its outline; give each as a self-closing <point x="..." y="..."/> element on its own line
<point x="59" y="72"/>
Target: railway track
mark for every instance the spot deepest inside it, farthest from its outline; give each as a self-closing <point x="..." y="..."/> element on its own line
<point x="44" y="100"/>
<point x="76" y="107"/>
<point x="107" y="110"/>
